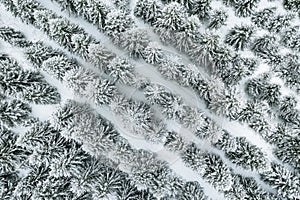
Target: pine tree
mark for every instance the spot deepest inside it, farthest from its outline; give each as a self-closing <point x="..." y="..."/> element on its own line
<point x="37" y="53"/>
<point x="80" y="44"/>
<point x="42" y="18"/>
<point x="171" y="20"/>
<point x="265" y="46"/>
<point x="148" y="10"/>
<point x="285" y="182"/>
<point x="120" y="69"/>
<point x="280" y="22"/>
<point x="153" y="53"/>
<point x="127" y="191"/>
<point x="201" y="8"/>
<point x="58" y="66"/>
<point x="188" y="34"/>
<point x="135" y="41"/>
<point x="13" y="37"/>
<point x="62" y="30"/>
<point x="291" y="37"/>
<point x="11" y="155"/>
<point x="263" y="17"/>
<point x="209" y="131"/>
<point x="81" y="80"/>
<point x="117" y="22"/>
<point x="104" y="92"/>
<point x="96" y="13"/>
<point x="25" y="10"/>
<point x="193" y="191"/>
<point x="292" y="5"/>
<point x="8" y="183"/>
<point x="287" y="110"/>
<point x="239" y="37"/>
<point x="99" y="55"/>
<point x="247" y="155"/>
<point x="245" y="8"/>
<point x="174" y="142"/>
<point x="14" y="112"/>
<point x="217" y="19"/>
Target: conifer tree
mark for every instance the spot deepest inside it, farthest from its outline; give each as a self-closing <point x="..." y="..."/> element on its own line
<point x="239" y="37"/>
<point x="217" y="19"/>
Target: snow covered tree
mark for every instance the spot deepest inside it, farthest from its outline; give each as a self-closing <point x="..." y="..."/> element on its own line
<point x="62" y="30"/>
<point x="227" y="142"/>
<point x="291" y="37"/>
<point x="152" y="173"/>
<point x="217" y="19"/>
<point x="203" y="50"/>
<point x="201" y="8"/>
<point x="292" y="5"/>
<point x="37" y="53"/>
<point x="247" y="155"/>
<point x="13" y="37"/>
<point x="174" y="142"/>
<point x="148" y="10"/>
<point x="225" y="103"/>
<point x="287" y="110"/>
<point x="80" y="44"/>
<point x="260" y="89"/>
<point x="99" y="55"/>
<point x="280" y="22"/>
<point x="81" y="80"/>
<point x="239" y="37"/>
<point x="104" y="92"/>
<point x="135" y="41"/>
<point x="263" y="17"/>
<point x="8" y="183"/>
<point x="265" y="46"/>
<point x="153" y="53"/>
<point x="285" y="182"/>
<point x="138" y="117"/>
<point x="209" y="131"/>
<point x="120" y="69"/>
<point x="58" y="66"/>
<point x="193" y="191"/>
<point x="25" y="10"/>
<point x="172" y="19"/>
<point x="188" y="34"/>
<point x="96" y="13"/>
<point x="117" y="22"/>
<point x="14" y="112"/>
<point x="11" y="155"/>
<point x="245" y="8"/>
<point x="42" y="18"/>
<point x="248" y="188"/>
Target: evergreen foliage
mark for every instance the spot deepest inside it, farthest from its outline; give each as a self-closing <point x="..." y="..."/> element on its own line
<point x="239" y="37"/>
<point x="217" y="19"/>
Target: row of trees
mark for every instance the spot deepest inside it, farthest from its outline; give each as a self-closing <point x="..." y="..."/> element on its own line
<point x="99" y="138"/>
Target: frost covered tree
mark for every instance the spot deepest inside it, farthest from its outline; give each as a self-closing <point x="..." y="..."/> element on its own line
<point x="174" y="142"/>
<point x="188" y="34"/>
<point x="265" y="46"/>
<point x="193" y="191"/>
<point x="62" y="30"/>
<point x="58" y="66"/>
<point x="153" y="53"/>
<point x="239" y="37"/>
<point x="104" y="92"/>
<point x="80" y="44"/>
<point x="292" y="5"/>
<point x="25" y="10"/>
<point x="13" y="37"/>
<point x="285" y="182"/>
<point x="260" y="89"/>
<point x="99" y="55"/>
<point x="120" y="69"/>
<point x="291" y="37"/>
<point x="245" y="8"/>
<point x="30" y="85"/>
<point x="287" y="110"/>
<point x="217" y="19"/>
<point x="262" y="18"/>
<point x="148" y="10"/>
<point x="14" y="112"/>
<point x="171" y="20"/>
<point x="247" y="155"/>
<point x="135" y="41"/>
<point x="209" y="131"/>
<point x="37" y="53"/>
<point x="201" y="8"/>
<point x="117" y="22"/>
<point x="280" y="22"/>
<point x="11" y="155"/>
